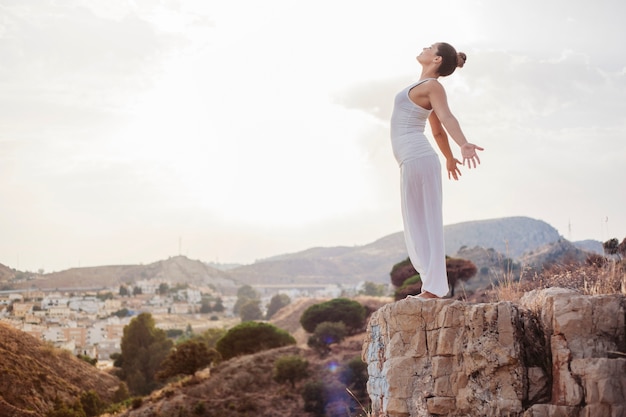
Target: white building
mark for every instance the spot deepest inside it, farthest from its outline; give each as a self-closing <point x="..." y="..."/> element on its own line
<point x="89" y="305"/>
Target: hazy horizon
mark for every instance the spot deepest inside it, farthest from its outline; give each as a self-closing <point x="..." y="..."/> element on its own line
<point x="235" y="131"/>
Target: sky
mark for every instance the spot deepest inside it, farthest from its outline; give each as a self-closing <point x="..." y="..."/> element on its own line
<point x="233" y="131"/>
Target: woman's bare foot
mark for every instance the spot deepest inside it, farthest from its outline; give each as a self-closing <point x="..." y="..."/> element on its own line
<point x="426" y="294"/>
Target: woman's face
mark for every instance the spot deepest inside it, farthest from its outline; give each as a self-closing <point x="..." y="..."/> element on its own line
<point x="428" y="54"/>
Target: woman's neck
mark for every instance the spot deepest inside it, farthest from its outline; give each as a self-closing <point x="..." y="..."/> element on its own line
<point x="428" y="74"/>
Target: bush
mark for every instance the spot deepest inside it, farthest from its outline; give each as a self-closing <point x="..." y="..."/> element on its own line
<point x="354" y="375"/>
<point x="250" y="311"/>
<point x="91" y="403"/>
<point x="326" y="334"/>
<point x="314" y="396"/>
<point x="411" y="286"/>
<point x="88" y="359"/>
<point x="121" y="393"/>
<point x="402" y="271"/>
<point x="144" y="347"/>
<point x="251" y="337"/>
<point x="290" y="369"/>
<point x="187" y="358"/>
<point x="349" y="312"/>
<point x="61" y="409"/>
<point x="277" y="302"/>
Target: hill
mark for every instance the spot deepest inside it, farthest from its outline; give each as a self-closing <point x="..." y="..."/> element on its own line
<point x="178" y="270"/>
<point x="510" y="237"/>
<point x="561" y="252"/>
<point x="34" y="374"/>
<point x="349" y="265"/>
<point x="6" y="273"/>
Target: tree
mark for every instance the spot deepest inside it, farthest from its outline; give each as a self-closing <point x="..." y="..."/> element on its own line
<point x="290" y="369"/>
<point x="121" y="393"/>
<point x="218" y="307"/>
<point x="137" y="291"/>
<point x="62" y="409"/>
<point x="408" y="281"/>
<point x="613" y="247"/>
<point x="610" y="246"/>
<point x="205" y="306"/>
<point x="186" y="359"/>
<point x="251" y="337"/>
<point x="246" y="291"/>
<point x="354" y="375"/>
<point x="326" y="334"/>
<point x="315" y="396"/>
<point x="244" y="294"/>
<point x="350" y="312"/>
<point x="91" y="403"/>
<point x="277" y="302"/>
<point x="402" y="271"/>
<point x="372" y="289"/>
<point x="105" y="296"/>
<point x="211" y="336"/>
<point x="121" y="313"/>
<point x="250" y="311"/>
<point x="459" y="270"/>
<point x="163" y="288"/>
<point x="144" y="347"/>
<point x="411" y="286"/>
<point x="124" y="291"/>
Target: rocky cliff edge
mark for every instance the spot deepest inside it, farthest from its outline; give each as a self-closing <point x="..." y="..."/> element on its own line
<point x="555" y="353"/>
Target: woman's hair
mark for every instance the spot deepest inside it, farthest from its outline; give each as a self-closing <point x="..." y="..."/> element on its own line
<point x="450" y="59"/>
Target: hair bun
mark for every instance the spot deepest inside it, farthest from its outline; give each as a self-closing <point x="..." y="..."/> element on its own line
<point x="460" y="59"/>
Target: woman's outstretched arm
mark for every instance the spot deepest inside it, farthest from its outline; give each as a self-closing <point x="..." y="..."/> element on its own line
<point x="439" y="102"/>
<point x="441" y="137"/>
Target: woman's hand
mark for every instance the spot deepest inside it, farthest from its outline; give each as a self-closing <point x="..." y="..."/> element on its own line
<point x="468" y="151"/>
<point x="453" y="169"/>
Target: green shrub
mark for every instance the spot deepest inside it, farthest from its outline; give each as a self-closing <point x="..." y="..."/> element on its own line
<point x="187" y="358"/>
<point x="326" y="334"/>
<point x="350" y="312"/>
<point x="354" y="375"/>
<point x="91" y="403"/>
<point x="251" y="337"/>
<point x="290" y="369"/>
<point x="314" y="396"/>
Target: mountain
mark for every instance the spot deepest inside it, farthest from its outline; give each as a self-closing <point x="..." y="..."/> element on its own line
<point x="34" y="374"/>
<point x="349" y="265"/>
<point x="177" y="269"/>
<point x="511" y="236"/>
<point x="507" y="238"/>
<point x="561" y="252"/>
<point x="593" y="246"/>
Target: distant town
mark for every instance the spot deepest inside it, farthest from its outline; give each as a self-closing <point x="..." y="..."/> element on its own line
<point x="91" y="322"/>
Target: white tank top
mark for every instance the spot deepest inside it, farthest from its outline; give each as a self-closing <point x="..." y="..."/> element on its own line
<point x="408" y="121"/>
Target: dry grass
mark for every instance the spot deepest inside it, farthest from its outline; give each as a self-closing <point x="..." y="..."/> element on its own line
<point x="593" y="278"/>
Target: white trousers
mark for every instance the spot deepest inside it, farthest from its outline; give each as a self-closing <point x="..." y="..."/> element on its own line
<point x="421" y="197"/>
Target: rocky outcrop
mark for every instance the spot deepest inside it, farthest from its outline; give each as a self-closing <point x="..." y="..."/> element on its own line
<point x="555" y="353"/>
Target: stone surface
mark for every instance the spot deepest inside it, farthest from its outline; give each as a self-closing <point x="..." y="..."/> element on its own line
<point x="556" y="353"/>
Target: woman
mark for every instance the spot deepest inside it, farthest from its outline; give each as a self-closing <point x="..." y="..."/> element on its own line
<point x="420" y="169"/>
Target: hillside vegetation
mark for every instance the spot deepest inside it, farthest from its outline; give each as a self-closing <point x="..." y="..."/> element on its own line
<point x="34" y="374"/>
<point x="245" y="385"/>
